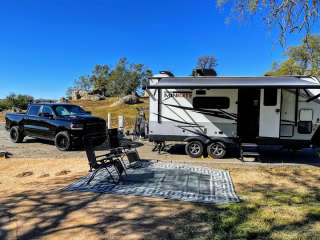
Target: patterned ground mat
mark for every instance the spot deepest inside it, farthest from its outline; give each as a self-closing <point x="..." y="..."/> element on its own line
<point x="166" y="180"/>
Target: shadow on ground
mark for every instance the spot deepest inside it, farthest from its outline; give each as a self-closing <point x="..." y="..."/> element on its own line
<point x="269" y="154"/>
<point x="267" y="211"/>
<point x="104" y="146"/>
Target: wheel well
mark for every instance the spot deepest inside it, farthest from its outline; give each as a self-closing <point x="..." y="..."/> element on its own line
<point x="16" y="125"/>
<point x="227" y="142"/>
<point x="218" y="141"/>
<point x="13" y="125"/>
<point x="204" y="140"/>
<point x="61" y="130"/>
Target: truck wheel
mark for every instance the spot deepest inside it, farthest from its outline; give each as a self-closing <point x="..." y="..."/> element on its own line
<point x="216" y="150"/>
<point x="16" y="135"/>
<point x="63" y="141"/>
<point x="194" y="149"/>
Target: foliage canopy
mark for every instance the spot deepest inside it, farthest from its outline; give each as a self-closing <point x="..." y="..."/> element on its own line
<point x="125" y="78"/>
<point x="16" y="100"/>
<point x="302" y="60"/>
<point x="290" y="16"/>
<point x="207" y="62"/>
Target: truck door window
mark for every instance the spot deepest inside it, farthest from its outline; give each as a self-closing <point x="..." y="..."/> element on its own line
<point x="68" y="110"/>
<point x="34" y="110"/>
<point x="47" y="109"/>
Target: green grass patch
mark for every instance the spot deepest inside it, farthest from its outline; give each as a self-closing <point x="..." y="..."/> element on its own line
<point x="277" y="205"/>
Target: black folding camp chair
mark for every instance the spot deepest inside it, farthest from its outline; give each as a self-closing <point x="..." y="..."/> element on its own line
<point x="133" y="157"/>
<point x="123" y="149"/>
<point x="112" y="163"/>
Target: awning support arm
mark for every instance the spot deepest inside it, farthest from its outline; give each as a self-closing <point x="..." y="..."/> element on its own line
<point x="313" y="98"/>
<point x="308" y="94"/>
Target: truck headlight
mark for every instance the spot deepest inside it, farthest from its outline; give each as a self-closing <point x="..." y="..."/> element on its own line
<point x="77" y="126"/>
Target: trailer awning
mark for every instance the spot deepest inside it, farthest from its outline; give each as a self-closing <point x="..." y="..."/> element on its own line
<point x="235" y="82"/>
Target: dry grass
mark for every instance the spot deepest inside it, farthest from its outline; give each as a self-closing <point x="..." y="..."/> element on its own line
<point x="2" y="116"/>
<point x="102" y="108"/>
<point x="277" y="203"/>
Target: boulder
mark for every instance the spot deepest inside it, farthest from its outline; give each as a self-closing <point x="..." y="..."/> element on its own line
<point x="75" y="95"/>
<point x="130" y="99"/>
<point x="63" y="100"/>
<point x="95" y="97"/>
<point x="83" y="94"/>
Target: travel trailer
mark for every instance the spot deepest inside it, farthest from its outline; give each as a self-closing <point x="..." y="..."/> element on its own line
<point x="217" y="113"/>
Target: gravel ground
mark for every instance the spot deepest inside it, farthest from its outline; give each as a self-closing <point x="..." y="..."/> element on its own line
<point x="33" y="148"/>
<point x="40" y="149"/>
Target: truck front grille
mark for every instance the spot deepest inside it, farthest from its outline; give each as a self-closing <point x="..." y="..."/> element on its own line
<point x="96" y="128"/>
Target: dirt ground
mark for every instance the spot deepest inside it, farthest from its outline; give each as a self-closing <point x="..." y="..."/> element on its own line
<point x="41" y="149"/>
<point x="280" y="199"/>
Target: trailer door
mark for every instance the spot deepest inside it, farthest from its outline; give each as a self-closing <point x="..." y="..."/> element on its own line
<point x="269" y="123"/>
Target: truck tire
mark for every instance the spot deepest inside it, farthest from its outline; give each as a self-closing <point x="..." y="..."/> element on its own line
<point x="194" y="149"/>
<point x="216" y="150"/>
<point x="62" y="141"/>
<point x="16" y="135"/>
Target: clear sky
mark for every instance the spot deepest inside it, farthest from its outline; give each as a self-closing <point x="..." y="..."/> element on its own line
<point x="46" y="45"/>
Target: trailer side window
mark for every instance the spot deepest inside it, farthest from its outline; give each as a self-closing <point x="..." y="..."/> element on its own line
<point x="211" y="102"/>
<point x="306" y="115"/>
<point x="270" y="97"/>
<point x="305" y="123"/>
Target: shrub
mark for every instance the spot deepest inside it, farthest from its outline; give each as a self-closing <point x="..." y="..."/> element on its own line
<point x="13" y="100"/>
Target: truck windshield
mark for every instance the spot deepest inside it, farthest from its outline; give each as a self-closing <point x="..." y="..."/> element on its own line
<point x="68" y="110"/>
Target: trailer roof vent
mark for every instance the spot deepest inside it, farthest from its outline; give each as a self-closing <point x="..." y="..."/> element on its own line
<point x="168" y="73"/>
<point x="199" y="72"/>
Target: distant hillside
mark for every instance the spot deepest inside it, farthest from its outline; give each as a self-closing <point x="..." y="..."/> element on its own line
<point x="103" y="107"/>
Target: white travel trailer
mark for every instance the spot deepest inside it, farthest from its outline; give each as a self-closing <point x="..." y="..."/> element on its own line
<point x="216" y="113"/>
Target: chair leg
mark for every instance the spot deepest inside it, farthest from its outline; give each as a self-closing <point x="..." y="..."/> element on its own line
<point x="123" y="162"/>
<point x="93" y="175"/>
<point x="118" y="170"/>
<point x="123" y="166"/>
<point x="110" y="175"/>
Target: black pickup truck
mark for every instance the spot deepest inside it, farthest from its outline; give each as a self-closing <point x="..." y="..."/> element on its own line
<point x="65" y="124"/>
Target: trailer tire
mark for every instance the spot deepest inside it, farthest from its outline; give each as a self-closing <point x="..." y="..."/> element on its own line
<point x="62" y="141"/>
<point x="16" y="135"/>
<point x="194" y="149"/>
<point x="216" y="150"/>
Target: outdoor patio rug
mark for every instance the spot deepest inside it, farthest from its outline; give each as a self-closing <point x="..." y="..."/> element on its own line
<point x="166" y="180"/>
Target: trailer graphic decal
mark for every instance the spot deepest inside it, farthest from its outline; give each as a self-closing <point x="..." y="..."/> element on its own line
<point x="176" y="94"/>
<point x="215" y="113"/>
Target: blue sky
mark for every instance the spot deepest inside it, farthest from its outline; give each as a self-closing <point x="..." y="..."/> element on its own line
<point x="46" y="45"/>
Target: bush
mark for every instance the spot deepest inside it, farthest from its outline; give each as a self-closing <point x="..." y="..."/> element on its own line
<point x="19" y="101"/>
<point x="3" y="104"/>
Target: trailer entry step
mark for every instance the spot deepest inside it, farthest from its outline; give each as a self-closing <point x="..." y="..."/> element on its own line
<point x="249" y="150"/>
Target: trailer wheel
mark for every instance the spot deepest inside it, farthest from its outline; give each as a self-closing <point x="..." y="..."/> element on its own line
<point x="16" y="135"/>
<point x="63" y="141"/>
<point x="194" y="149"/>
<point x="216" y="150"/>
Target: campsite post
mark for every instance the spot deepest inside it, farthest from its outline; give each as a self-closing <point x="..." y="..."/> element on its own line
<point x="109" y="121"/>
